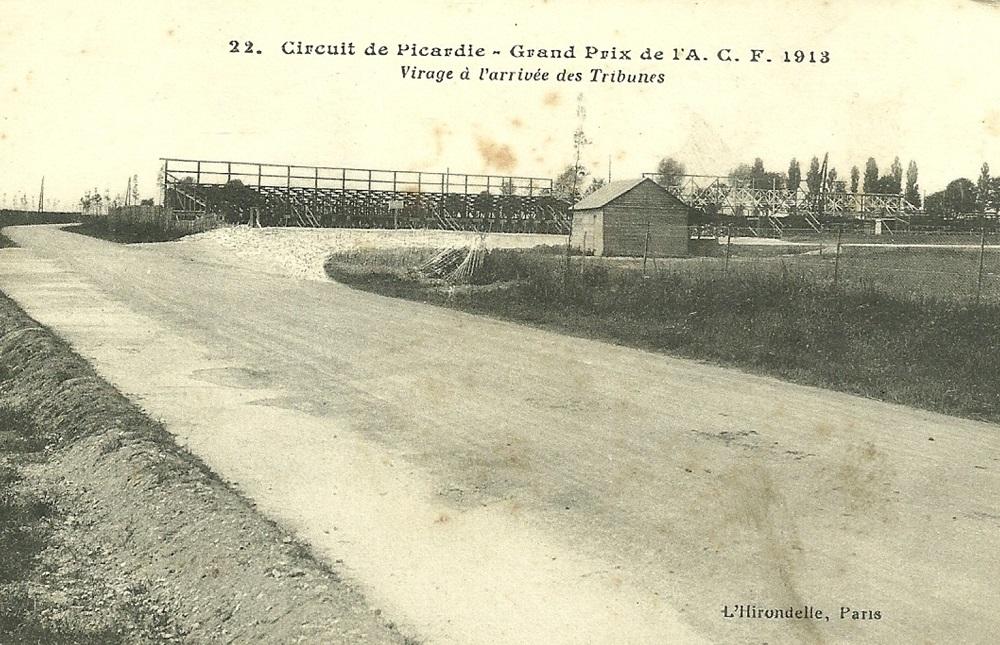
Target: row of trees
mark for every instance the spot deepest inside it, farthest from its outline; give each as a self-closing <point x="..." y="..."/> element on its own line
<point x="575" y="181"/>
<point x="18" y="201"/>
<point x="757" y="176"/>
<point x="963" y="197"/>
<point x="95" y="203"/>
<point x="24" y="202"/>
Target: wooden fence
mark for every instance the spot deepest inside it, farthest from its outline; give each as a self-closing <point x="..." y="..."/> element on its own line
<point x="160" y="218"/>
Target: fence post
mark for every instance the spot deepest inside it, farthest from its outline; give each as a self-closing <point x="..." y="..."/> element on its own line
<point x="729" y="246"/>
<point x="569" y="240"/>
<point x="982" y="258"/>
<point x="836" y="257"/>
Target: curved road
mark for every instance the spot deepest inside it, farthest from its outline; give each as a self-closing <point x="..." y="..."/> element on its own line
<point x="487" y="482"/>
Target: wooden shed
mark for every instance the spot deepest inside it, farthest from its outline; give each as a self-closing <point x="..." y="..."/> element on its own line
<point x="615" y="220"/>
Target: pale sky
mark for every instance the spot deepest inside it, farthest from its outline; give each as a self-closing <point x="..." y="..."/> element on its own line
<point x="94" y="92"/>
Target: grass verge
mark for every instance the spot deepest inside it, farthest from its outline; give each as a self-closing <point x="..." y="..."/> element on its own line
<point x="28" y="517"/>
<point x="768" y="318"/>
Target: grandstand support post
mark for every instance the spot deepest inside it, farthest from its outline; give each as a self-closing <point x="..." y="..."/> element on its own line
<point x="836" y="257"/>
<point x="982" y="259"/>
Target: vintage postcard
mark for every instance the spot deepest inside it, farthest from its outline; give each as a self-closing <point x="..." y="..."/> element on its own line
<point x="533" y="322"/>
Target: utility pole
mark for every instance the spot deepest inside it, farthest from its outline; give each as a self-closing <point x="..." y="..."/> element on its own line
<point x="822" y="188"/>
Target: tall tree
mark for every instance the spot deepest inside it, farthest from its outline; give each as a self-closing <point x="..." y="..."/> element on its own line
<point x="831" y="179"/>
<point x="983" y="188"/>
<point x="813" y="178"/>
<point x="743" y="172"/>
<point x="794" y="174"/>
<point x="566" y="185"/>
<point x="870" y="184"/>
<point x="670" y="171"/>
<point x="993" y="196"/>
<point x="958" y="198"/>
<point x="579" y="141"/>
<point x="596" y="184"/>
<point x="855" y="178"/>
<point x="757" y="173"/>
<point x="912" y="193"/>
<point x="896" y="172"/>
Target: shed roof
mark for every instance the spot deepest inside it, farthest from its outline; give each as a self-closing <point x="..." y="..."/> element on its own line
<point x="612" y="191"/>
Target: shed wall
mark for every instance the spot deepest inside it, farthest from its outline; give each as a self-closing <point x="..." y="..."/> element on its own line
<point x="588" y="231"/>
<point x="646" y="207"/>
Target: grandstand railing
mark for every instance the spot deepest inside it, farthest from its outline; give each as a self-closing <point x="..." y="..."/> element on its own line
<point x="259" y="175"/>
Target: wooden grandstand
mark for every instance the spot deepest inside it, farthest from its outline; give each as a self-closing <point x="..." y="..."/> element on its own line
<point x="321" y="196"/>
<point x="772" y="207"/>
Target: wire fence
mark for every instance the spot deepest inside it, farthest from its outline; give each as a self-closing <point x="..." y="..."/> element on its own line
<point x="945" y="265"/>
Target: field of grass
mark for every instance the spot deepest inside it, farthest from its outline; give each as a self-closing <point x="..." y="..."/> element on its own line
<point x="776" y="316"/>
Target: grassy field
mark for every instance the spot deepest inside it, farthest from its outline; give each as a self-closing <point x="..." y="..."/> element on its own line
<point x="777" y="316"/>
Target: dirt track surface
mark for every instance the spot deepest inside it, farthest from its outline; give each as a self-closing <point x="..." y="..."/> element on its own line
<point x="300" y="253"/>
<point x="487" y="482"/>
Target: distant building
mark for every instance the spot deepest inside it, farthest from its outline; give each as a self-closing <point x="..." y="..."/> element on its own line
<point x="616" y="219"/>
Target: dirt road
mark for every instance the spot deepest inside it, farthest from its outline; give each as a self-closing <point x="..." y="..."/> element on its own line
<point x="488" y="483"/>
